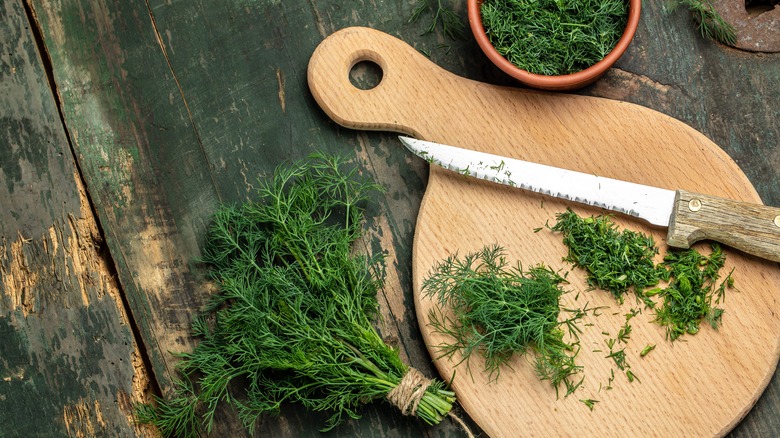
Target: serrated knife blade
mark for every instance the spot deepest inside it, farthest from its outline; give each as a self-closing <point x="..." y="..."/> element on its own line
<point x="690" y="217"/>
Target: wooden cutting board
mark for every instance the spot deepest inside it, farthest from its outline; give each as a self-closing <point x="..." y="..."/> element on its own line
<point x="700" y="385"/>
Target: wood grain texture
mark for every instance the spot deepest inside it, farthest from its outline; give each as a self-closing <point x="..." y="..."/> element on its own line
<point x="682" y="387"/>
<point x="749" y="227"/>
<point x="131" y="147"/>
<point x="174" y="107"/>
<point x="69" y="363"/>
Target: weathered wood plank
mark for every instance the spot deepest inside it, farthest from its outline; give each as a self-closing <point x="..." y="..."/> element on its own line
<point x="174" y="107"/>
<point x="166" y="132"/>
<point x="130" y="130"/>
<point x="136" y="148"/>
<point x="69" y="364"/>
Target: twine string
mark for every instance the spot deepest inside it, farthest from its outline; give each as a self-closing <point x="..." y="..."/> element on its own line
<point x="410" y="391"/>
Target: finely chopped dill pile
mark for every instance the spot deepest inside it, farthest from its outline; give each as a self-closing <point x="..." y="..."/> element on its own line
<point x="617" y="260"/>
<point x="693" y="292"/>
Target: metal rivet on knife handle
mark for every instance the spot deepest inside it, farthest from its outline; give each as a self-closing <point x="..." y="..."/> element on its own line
<point x="777" y="221"/>
<point x="694" y="205"/>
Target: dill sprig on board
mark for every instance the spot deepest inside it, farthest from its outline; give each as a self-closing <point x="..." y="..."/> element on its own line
<point x="554" y="37"/>
<point x="692" y="295"/>
<point x="614" y="260"/>
<point x="292" y="318"/>
<point x="497" y="311"/>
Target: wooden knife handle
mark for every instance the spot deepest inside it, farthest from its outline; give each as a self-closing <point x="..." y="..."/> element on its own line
<point x="752" y="228"/>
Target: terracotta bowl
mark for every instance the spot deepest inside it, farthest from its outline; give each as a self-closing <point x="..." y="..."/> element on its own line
<point x="562" y="82"/>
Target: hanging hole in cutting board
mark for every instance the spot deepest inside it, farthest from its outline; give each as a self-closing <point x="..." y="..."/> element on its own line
<point x="365" y="74"/>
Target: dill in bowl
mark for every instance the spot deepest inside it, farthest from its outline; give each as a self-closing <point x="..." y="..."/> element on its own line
<point x="549" y="37"/>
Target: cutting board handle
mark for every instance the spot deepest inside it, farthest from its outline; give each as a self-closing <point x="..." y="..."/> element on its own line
<point x="589" y="134"/>
<point x="409" y="81"/>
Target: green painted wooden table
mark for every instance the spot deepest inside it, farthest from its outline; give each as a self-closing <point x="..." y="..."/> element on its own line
<point x="125" y="124"/>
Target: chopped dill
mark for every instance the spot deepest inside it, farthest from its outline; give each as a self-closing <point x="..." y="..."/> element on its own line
<point x="624" y="334"/>
<point x="692" y="293"/>
<point x="553" y="37"/>
<point x="490" y="308"/>
<point x="614" y="260"/>
<point x="619" y="356"/>
<point x="618" y="260"/>
<point x="590" y="403"/>
<point x="611" y="379"/>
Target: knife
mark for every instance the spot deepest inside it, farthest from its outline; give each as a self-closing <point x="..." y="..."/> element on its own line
<point x="689" y="217"/>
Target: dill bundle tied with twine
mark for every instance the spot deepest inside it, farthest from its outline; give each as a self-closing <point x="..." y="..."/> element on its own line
<point x="292" y="319"/>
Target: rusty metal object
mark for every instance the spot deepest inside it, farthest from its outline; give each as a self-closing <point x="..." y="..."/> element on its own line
<point x="757" y="23"/>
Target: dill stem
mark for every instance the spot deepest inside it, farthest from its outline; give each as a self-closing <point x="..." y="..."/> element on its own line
<point x="383" y="383"/>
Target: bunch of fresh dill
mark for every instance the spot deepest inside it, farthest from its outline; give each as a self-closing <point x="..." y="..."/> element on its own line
<point x="292" y="319"/>
<point x="553" y="37"/>
<point x="489" y="308"/>
<point x="615" y="260"/>
<point x="692" y="294"/>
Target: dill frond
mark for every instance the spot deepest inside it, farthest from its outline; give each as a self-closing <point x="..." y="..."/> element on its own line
<point x="488" y="308"/>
